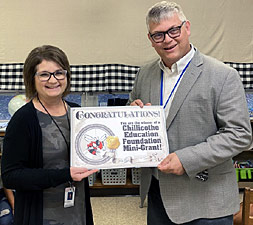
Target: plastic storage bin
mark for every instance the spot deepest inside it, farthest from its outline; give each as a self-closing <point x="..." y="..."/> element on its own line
<point x="92" y="178"/>
<point x="114" y="176"/>
<point x="136" y="176"/>
<point x="244" y="174"/>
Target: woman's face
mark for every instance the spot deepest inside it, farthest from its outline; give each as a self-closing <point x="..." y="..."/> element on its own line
<point x="52" y="88"/>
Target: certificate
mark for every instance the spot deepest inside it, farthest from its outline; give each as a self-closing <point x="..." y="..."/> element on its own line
<point x="118" y="137"/>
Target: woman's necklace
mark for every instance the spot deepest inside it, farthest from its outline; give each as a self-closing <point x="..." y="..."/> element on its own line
<point x="55" y="121"/>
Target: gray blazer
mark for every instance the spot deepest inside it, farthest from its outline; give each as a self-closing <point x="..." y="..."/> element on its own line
<point x="208" y="124"/>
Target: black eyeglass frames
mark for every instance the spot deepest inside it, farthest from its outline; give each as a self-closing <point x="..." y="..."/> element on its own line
<point x="45" y="75"/>
<point x="173" y="32"/>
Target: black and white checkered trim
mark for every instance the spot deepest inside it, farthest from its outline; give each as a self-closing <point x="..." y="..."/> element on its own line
<point x="11" y="78"/>
<point x="245" y="71"/>
<point x="84" y="78"/>
<point x="108" y="77"/>
<point x="98" y="78"/>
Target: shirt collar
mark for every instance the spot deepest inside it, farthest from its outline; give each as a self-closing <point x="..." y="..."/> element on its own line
<point x="180" y="64"/>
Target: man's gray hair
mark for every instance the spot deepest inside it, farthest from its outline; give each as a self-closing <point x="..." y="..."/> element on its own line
<point x="164" y="10"/>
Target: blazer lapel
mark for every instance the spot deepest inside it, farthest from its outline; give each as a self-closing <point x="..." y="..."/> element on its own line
<point x="155" y="82"/>
<point x="188" y="80"/>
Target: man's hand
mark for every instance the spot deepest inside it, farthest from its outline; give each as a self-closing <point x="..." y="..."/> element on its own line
<point x="138" y="102"/>
<point x="171" y="164"/>
<point x="77" y="174"/>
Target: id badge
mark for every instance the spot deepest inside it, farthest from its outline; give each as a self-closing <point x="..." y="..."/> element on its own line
<point x="69" y="198"/>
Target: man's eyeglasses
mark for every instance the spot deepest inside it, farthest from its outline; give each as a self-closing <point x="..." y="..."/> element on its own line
<point x="173" y="32"/>
<point x="45" y="76"/>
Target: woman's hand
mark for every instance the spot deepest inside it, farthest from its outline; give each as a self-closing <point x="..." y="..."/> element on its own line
<point x="78" y="173"/>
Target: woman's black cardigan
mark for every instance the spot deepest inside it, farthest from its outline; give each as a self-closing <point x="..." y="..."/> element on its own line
<point x="22" y="168"/>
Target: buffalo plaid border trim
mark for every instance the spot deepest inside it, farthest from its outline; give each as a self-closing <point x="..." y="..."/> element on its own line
<point x="245" y="71"/>
<point x="98" y="78"/>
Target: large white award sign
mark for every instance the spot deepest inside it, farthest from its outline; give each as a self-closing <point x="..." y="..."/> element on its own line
<point x="118" y="137"/>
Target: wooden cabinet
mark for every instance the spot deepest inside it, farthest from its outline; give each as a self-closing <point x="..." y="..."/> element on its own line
<point x="244" y="156"/>
<point x="99" y="189"/>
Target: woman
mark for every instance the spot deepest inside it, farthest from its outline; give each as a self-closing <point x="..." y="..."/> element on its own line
<point x="36" y="154"/>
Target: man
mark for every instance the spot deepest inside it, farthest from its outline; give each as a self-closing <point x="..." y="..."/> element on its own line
<point x="207" y="124"/>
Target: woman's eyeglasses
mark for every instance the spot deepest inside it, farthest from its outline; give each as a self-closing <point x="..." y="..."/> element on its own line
<point x="45" y="75"/>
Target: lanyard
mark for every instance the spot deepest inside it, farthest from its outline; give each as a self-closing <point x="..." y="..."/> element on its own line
<point x="55" y="121"/>
<point x="161" y="91"/>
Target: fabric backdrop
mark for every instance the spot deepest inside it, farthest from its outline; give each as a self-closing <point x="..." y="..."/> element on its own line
<point x="114" y="31"/>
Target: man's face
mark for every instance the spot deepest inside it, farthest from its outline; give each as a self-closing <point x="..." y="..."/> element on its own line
<point x="171" y="50"/>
